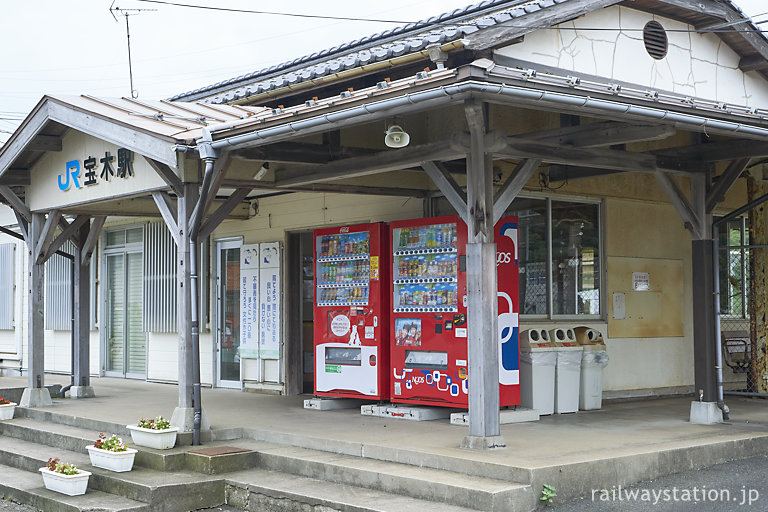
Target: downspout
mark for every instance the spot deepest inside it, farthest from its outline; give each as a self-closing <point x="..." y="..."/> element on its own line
<point x="718" y="348"/>
<point x="209" y="156"/>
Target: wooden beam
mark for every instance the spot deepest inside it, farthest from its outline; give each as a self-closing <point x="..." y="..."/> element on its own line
<point x="609" y="134"/>
<point x="16" y="178"/>
<point x="514" y="184"/>
<point x="590" y="157"/>
<point x="222" y="212"/>
<point x="699" y="7"/>
<point x="679" y="201"/>
<point x="718" y="151"/>
<point x="261" y="186"/>
<point x="65" y="235"/>
<point x="23" y="227"/>
<point x="448" y="186"/>
<point x="753" y="62"/>
<point x="93" y="237"/>
<point x="16" y="203"/>
<point x="168" y="213"/>
<point x="391" y="160"/>
<point x="725" y="182"/>
<point x="298" y="152"/>
<point x="46" y="236"/>
<point x="45" y="143"/>
<point x="500" y="34"/>
<point x="168" y="176"/>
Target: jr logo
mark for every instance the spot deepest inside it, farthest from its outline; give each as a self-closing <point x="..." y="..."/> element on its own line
<point x="71" y="173"/>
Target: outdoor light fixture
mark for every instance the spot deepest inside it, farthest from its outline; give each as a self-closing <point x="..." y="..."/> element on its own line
<point x="396" y="137"/>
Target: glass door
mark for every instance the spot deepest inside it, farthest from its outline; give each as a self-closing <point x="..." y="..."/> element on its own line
<point x="126" y="354"/>
<point x="228" y="324"/>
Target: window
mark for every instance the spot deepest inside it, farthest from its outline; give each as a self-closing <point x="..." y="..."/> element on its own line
<point x="58" y="290"/>
<point x="559" y="255"/>
<point x="7" y="277"/>
<point x="733" y="257"/>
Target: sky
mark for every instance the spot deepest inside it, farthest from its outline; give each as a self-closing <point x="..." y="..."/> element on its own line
<point x="72" y="47"/>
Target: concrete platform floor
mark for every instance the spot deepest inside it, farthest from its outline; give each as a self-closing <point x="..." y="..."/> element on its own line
<point x="625" y="442"/>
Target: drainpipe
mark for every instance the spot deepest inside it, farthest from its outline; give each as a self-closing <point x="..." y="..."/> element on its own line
<point x="718" y="349"/>
<point x="209" y="156"/>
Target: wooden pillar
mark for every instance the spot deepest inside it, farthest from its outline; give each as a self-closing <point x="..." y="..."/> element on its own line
<point x="82" y="309"/>
<point x="482" y="310"/>
<point x="35" y="395"/>
<point x="183" y="415"/>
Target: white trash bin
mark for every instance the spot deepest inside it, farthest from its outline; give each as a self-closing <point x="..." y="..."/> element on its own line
<point x="591" y="391"/>
<point x="594" y="359"/>
<point x="537" y="371"/>
<point x="567" y="371"/>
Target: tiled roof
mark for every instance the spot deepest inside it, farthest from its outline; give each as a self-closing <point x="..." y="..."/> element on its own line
<point x="442" y="29"/>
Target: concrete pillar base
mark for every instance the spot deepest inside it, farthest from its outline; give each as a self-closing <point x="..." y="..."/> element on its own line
<point x="706" y="413"/>
<point x="184" y="418"/>
<point x="35" y="397"/>
<point x="483" y="442"/>
<point x="81" y="392"/>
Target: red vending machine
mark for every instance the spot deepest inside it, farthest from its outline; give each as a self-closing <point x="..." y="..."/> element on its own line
<point x="429" y="304"/>
<point x="351" y="317"/>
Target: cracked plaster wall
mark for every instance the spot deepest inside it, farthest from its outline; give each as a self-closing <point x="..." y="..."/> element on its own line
<point x="697" y="65"/>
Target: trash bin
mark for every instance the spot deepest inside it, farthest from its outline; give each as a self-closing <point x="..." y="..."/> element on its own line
<point x="593" y="360"/>
<point x="567" y="370"/>
<point x="537" y="371"/>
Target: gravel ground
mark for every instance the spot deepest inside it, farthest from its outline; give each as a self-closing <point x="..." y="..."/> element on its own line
<point x="9" y="506"/>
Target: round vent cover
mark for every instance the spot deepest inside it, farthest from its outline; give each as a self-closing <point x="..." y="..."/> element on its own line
<point x="655" y="39"/>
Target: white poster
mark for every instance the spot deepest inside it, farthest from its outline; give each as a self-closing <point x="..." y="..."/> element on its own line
<point x="249" y="301"/>
<point x="269" y="300"/>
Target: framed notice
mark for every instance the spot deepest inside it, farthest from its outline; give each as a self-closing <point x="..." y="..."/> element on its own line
<point x="249" y="301"/>
<point x="269" y="300"/>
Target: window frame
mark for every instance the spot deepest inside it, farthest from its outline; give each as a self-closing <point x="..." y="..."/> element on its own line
<point x="601" y="272"/>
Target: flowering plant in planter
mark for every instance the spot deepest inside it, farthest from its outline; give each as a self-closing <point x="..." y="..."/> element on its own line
<point x="4" y="401"/>
<point x="158" y="423"/>
<point x="155" y="433"/>
<point x="57" y="466"/>
<point x="112" y="443"/>
<point x="111" y="453"/>
<point x="64" y="478"/>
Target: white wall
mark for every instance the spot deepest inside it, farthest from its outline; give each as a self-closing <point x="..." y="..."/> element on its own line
<point x="697" y="64"/>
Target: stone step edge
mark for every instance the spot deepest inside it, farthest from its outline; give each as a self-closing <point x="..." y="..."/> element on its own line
<point x="323" y="493"/>
<point x="41" y="498"/>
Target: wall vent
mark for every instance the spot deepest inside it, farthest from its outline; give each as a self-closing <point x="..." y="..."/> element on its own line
<point x="655" y="39"/>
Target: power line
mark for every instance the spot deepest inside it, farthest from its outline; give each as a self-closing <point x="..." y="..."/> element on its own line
<point x="451" y="23"/>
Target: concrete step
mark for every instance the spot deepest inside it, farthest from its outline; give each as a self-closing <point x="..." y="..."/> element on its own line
<point x="407" y="480"/>
<point x="76" y="438"/>
<point x="161" y="490"/>
<point x="27" y="487"/>
<point x="259" y="489"/>
<point x="49" y="416"/>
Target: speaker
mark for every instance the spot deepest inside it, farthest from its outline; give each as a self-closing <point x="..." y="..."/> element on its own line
<point x="396" y="137"/>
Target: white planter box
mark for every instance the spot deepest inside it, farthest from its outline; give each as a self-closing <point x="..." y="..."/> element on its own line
<point x="113" y="461"/>
<point x="6" y="411"/>
<point x="159" y="439"/>
<point x="71" y="485"/>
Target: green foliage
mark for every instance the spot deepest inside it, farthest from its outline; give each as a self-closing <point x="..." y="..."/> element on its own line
<point x="547" y="493"/>
<point x="61" y="467"/>
<point x="158" y="423"/>
<point x="112" y="444"/>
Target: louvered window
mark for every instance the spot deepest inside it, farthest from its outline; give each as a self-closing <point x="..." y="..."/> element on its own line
<point x="159" y="279"/>
<point x="58" y="290"/>
<point x="7" y="276"/>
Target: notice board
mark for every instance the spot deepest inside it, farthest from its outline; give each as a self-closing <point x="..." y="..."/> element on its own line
<point x="655" y="312"/>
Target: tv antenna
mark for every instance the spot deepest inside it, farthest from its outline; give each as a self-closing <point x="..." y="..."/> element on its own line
<point x="126" y="13"/>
